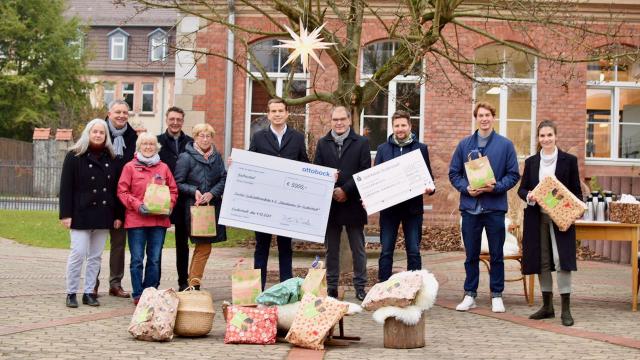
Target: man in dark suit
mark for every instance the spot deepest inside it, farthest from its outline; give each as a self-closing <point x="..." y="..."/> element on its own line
<point x="173" y="142"/>
<point x="124" y="139"/>
<point x="348" y="152"/>
<point x="277" y="140"/>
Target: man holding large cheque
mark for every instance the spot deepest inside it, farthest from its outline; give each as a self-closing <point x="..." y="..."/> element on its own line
<point x="282" y="141"/>
<point x="409" y="212"/>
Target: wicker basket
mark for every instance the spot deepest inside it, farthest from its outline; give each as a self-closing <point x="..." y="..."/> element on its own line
<point x="624" y="213"/>
<point x="195" y="313"/>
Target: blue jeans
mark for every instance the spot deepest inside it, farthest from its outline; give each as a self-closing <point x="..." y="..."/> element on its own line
<point x="261" y="256"/>
<point x="153" y="239"/>
<point x="412" y="228"/>
<point x="472" y="225"/>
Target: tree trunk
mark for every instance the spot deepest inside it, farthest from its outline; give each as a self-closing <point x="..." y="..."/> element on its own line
<point x="398" y="335"/>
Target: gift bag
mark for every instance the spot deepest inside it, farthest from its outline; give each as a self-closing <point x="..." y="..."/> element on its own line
<point x="157" y="198"/>
<point x="315" y="282"/>
<point x="247" y="325"/>
<point x="563" y="207"/>
<point x="203" y="221"/>
<point x="479" y="172"/>
<point x="246" y="285"/>
<point x="399" y="290"/>
<point x="155" y="315"/>
<point x="315" y="317"/>
<point x="283" y="293"/>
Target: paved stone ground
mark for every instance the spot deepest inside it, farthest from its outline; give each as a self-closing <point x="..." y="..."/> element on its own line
<point x="34" y="323"/>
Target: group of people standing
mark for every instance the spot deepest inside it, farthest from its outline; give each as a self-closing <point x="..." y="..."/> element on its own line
<point x="106" y="172"/>
<point x="104" y="179"/>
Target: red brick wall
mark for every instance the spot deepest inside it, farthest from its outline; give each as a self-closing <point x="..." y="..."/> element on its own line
<point x="448" y="105"/>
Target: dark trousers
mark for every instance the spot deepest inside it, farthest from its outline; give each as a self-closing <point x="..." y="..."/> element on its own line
<point x="118" y="240"/>
<point x="182" y="254"/>
<point x="412" y="228"/>
<point x="472" y="225"/>
<point x="355" y="233"/>
<point x="261" y="256"/>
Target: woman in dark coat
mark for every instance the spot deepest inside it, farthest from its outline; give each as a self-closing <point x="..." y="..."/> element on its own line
<point x="88" y="206"/>
<point x="544" y="247"/>
<point x="200" y="175"/>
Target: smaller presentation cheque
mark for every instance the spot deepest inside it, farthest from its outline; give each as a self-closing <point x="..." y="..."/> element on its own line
<point x="393" y="181"/>
<point x="277" y="196"/>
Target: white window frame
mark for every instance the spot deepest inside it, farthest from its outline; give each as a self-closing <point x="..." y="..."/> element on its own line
<point x="153" y="97"/>
<point x="614" y="135"/>
<point x="111" y="91"/>
<point x="132" y="92"/>
<point x="279" y="78"/>
<point x="158" y="40"/>
<point x="504" y="82"/>
<point x="391" y="98"/>
<point x="118" y="38"/>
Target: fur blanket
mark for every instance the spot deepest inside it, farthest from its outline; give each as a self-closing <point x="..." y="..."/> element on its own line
<point x="424" y="300"/>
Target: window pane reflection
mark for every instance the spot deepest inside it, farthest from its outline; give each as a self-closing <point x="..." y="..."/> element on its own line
<point x="597" y="143"/>
<point x="375" y="128"/>
<point x="629" y="105"/>
<point x="519" y="132"/>
<point x="379" y="105"/>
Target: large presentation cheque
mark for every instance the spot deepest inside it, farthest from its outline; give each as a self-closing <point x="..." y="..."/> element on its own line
<point x="277" y="196"/>
<point x="393" y="181"/>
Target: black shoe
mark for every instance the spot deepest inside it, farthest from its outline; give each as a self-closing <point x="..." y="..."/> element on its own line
<point x="360" y="294"/>
<point x="197" y="287"/>
<point x="332" y="293"/>
<point x="567" y="319"/>
<point x="89" y="299"/>
<point x="72" y="302"/>
<point x="546" y="311"/>
<point x="182" y="287"/>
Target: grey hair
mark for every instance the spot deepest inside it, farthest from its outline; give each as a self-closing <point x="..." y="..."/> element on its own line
<point x="118" y="102"/>
<point x="341" y="107"/>
<point x="82" y="145"/>
<point x="146" y="136"/>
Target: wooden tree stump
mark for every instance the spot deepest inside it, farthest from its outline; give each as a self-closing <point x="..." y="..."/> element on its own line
<point x="398" y="335"/>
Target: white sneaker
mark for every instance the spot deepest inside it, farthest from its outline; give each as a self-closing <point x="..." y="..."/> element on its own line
<point x="467" y="303"/>
<point x="497" y="306"/>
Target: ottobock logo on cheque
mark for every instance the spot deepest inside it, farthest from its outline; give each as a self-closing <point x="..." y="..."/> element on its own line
<point x="316" y="172"/>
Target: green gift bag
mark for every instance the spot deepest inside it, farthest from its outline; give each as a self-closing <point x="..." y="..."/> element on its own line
<point x="286" y="292"/>
<point x="246" y="285"/>
<point x="479" y="172"/>
<point x="157" y="199"/>
<point x="203" y="221"/>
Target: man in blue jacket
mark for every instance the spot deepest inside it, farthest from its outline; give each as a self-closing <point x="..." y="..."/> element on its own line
<point x="485" y="207"/>
<point x="408" y="212"/>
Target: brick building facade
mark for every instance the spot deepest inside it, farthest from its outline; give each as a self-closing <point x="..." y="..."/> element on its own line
<point x="529" y="91"/>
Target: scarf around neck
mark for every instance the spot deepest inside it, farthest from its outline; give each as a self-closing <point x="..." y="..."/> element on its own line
<point x="339" y="139"/>
<point x="402" y="143"/>
<point x="548" y="160"/>
<point x="207" y="154"/>
<point x="118" y="140"/>
<point x="148" y="161"/>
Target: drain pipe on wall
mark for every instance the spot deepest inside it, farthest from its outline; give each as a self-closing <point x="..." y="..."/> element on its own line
<point x="228" y="103"/>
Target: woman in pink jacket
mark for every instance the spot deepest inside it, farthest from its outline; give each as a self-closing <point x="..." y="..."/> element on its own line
<point x="143" y="228"/>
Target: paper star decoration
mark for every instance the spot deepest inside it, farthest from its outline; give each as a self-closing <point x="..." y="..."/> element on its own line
<point x="304" y="46"/>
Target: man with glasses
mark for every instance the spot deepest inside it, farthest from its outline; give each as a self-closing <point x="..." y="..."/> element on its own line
<point x="348" y="152"/>
<point x="277" y="140"/>
<point x="173" y="142"/>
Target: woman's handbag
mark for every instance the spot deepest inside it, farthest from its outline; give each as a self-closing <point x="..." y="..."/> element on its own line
<point x="195" y="313"/>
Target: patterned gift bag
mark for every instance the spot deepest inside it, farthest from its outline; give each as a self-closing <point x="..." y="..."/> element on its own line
<point x="399" y="290"/>
<point x="315" y="282"/>
<point x="155" y="315"/>
<point x="157" y="199"/>
<point x="246" y="285"/>
<point x="479" y="172"/>
<point x="315" y="317"/>
<point x="563" y="207"/>
<point x="251" y="325"/>
<point x="203" y="221"/>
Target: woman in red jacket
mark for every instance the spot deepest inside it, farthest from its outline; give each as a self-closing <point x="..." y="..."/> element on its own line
<point x="143" y="228"/>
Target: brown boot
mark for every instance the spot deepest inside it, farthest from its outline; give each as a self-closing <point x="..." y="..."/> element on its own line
<point x="567" y="319"/>
<point x="546" y="311"/>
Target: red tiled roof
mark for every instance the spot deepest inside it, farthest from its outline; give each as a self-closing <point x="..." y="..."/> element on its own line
<point x="64" y="134"/>
<point x="41" y="133"/>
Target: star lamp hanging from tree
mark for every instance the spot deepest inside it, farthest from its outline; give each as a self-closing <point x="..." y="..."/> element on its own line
<point x="304" y="45"/>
